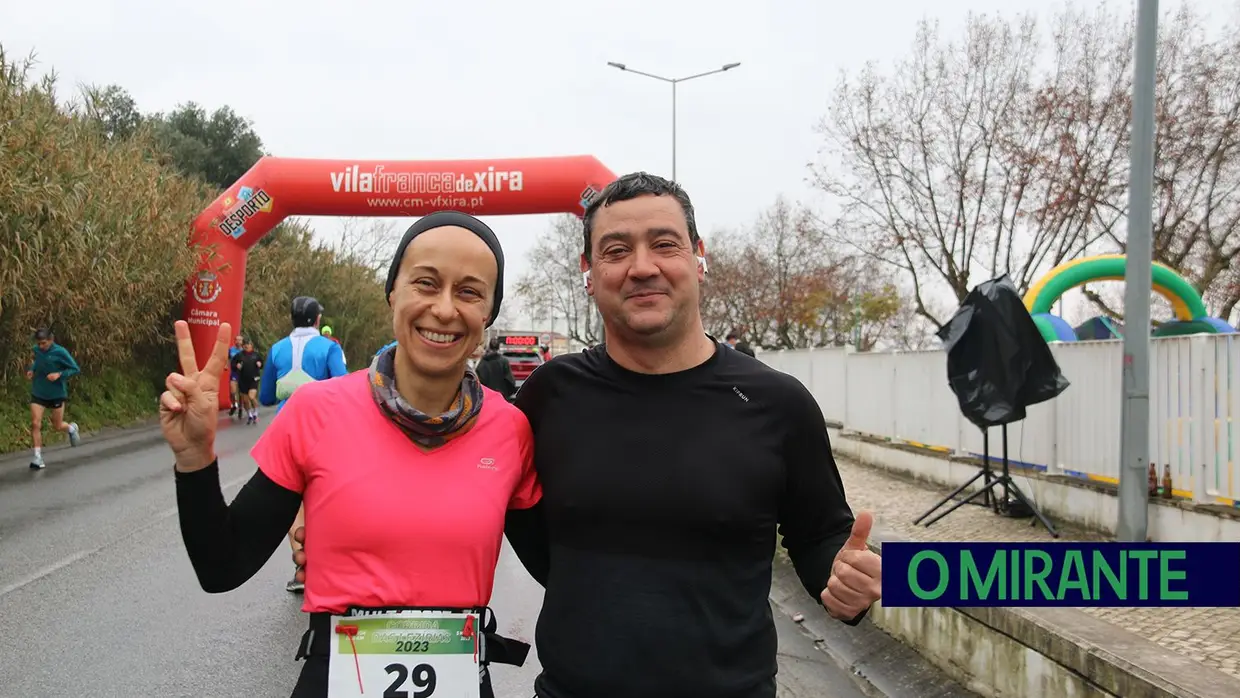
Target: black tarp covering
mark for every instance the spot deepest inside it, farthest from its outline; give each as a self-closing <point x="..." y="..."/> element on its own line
<point x="997" y="362"/>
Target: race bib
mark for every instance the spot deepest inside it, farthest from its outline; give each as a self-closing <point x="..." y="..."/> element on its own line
<point x="412" y="654"/>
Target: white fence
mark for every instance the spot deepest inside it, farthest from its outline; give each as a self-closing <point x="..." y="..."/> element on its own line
<point x="1194" y="407"/>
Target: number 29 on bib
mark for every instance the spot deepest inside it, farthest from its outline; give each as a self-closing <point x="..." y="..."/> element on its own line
<point x="405" y="654"/>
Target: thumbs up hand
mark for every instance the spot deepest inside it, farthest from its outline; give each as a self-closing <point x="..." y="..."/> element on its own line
<point x="856" y="576"/>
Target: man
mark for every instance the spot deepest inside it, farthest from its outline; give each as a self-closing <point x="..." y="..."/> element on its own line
<point x="301" y="357"/>
<point x="52" y="367"/>
<point x="670" y="465"/>
<point x="247" y="367"/>
<point x="235" y="349"/>
<point x="495" y="372"/>
<point x="734" y="340"/>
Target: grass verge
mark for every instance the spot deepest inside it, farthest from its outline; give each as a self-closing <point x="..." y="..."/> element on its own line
<point x="109" y="399"/>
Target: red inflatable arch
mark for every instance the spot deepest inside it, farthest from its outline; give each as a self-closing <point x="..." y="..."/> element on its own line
<point x="276" y="188"/>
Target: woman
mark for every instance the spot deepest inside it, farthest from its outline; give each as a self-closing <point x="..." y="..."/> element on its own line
<point x="406" y="469"/>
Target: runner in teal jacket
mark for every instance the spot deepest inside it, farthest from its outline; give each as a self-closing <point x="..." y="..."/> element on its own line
<point x="49" y="373"/>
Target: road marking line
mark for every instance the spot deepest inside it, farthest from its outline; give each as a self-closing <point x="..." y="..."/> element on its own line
<point x="61" y="564"/>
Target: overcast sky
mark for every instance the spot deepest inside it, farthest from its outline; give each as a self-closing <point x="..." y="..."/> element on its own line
<point x="388" y="79"/>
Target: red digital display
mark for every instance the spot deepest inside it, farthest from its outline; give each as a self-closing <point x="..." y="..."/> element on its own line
<point x="521" y="340"/>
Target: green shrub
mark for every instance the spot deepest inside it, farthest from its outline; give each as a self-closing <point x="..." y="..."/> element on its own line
<point x="94" y="231"/>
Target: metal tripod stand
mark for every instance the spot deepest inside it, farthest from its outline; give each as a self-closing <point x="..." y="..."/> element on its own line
<point x="1000" y="505"/>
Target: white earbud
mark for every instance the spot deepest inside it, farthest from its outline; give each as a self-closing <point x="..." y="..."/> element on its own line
<point x="585" y="279"/>
<point x="702" y="261"/>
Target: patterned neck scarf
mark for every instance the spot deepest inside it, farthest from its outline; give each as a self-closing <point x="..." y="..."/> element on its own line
<point x="425" y="430"/>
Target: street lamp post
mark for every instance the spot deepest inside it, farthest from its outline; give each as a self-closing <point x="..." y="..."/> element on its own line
<point x="1133" y="523"/>
<point x="674" y="82"/>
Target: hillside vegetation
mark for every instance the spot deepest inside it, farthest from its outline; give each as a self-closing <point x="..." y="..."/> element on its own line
<point x="96" y="202"/>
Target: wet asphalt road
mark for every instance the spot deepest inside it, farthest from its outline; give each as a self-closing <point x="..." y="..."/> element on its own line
<point x="98" y="598"/>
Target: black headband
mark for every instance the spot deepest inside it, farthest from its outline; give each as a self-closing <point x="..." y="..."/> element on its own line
<point x="440" y="219"/>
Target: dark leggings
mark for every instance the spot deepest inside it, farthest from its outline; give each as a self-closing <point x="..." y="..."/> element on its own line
<point x="313" y="680"/>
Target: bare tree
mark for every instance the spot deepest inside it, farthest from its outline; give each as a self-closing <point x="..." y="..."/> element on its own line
<point x="736" y="293"/>
<point x="907" y="330"/>
<point x="1078" y="155"/>
<point x="1197" y="171"/>
<point x="780" y="284"/>
<point x="1196" y="227"/>
<point x="969" y="160"/>
<point x="368" y="242"/>
<point x="552" y="288"/>
<point x="964" y="163"/>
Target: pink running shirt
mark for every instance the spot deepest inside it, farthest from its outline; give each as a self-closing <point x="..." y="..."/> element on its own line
<point x="388" y="524"/>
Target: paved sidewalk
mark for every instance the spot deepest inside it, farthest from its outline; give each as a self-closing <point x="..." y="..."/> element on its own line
<point x="1208" y="635"/>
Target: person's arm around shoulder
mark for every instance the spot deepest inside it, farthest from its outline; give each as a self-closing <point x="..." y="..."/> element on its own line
<point x="526" y="528"/>
<point x="826" y="543"/>
<point x="524" y="525"/>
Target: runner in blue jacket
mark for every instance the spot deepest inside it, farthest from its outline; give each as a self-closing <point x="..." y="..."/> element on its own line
<point x="320" y="358"/>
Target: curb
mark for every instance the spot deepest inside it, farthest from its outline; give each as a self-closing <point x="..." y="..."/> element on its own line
<point x="108" y="441"/>
<point x="881" y="665"/>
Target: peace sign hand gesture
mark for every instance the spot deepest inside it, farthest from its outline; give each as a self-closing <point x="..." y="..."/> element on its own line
<point x="189" y="408"/>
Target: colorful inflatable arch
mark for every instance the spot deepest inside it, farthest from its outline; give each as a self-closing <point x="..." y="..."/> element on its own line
<point x="275" y="188"/>
<point x="1191" y="316"/>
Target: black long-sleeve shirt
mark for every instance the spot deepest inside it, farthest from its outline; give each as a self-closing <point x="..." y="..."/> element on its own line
<point x="247" y="367"/>
<point x="229" y="543"/>
<point x="662" y="498"/>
